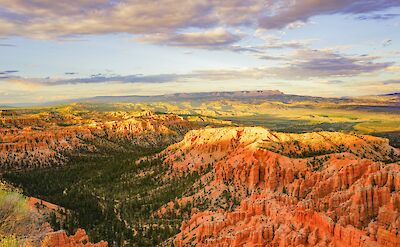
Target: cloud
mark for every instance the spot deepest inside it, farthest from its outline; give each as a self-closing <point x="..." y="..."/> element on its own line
<point x="7" y="45"/>
<point x="290" y="12"/>
<point x="271" y="57"/>
<point x="386" y="42"/>
<point x="169" y="21"/>
<point x="271" y="42"/>
<point x="378" y="17"/>
<point x="6" y="72"/>
<point x="388" y="82"/>
<point x="325" y="63"/>
<point x="299" y="65"/>
<point x="210" y="39"/>
<point x="333" y="82"/>
<point x="394" y="68"/>
<point x="124" y="79"/>
<point x="295" y="25"/>
<point x="362" y="83"/>
<point x="268" y="43"/>
<point x="305" y="64"/>
<point x="98" y="78"/>
<point x="54" y="19"/>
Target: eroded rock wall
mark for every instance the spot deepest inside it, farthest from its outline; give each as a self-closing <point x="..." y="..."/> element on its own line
<point x="340" y="195"/>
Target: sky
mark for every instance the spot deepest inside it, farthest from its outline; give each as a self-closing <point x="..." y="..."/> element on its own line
<point x="57" y="50"/>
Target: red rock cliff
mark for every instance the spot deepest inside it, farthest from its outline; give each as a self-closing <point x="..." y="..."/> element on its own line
<point x="80" y="239"/>
<point x="335" y="193"/>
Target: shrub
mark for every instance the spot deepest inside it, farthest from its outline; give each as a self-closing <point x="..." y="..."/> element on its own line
<point x="14" y="212"/>
<point x="9" y="241"/>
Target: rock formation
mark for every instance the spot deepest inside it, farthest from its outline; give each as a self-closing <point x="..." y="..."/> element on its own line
<point x="26" y="220"/>
<point x="60" y="239"/>
<point x="275" y="189"/>
<point x="38" y="141"/>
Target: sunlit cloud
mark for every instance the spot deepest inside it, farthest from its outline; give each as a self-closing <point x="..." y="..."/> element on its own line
<point x="54" y="19"/>
<point x="394" y="68"/>
<point x="273" y="41"/>
<point x="321" y="63"/>
<point x="294" y="11"/>
<point x="388" y="82"/>
<point x="302" y="64"/>
<point x="210" y="39"/>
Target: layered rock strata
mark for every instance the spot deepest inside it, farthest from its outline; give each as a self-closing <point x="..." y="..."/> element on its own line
<point x="275" y="189"/>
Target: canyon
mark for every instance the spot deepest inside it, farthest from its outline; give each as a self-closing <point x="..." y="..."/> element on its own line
<point x="32" y="141"/>
<point x="243" y="123"/>
<point x="140" y="178"/>
<point x="344" y="197"/>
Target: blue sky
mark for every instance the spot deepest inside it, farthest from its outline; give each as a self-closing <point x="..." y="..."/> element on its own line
<point x="55" y="50"/>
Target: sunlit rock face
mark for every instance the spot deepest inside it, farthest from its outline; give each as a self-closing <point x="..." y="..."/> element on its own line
<point x="34" y="141"/>
<point x="276" y="189"/>
<point x="79" y="239"/>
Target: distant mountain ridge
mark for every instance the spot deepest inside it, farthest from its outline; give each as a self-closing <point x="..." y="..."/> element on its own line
<point x="192" y="96"/>
<point x="249" y="95"/>
<point x="275" y="95"/>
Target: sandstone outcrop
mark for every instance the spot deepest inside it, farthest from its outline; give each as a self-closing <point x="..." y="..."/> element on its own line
<point x="38" y="141"/>
<point x="60" y="239"/>
<point x="275" y="189"/>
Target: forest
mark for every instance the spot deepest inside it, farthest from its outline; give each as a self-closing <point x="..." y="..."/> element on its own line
<point x="110" y="195"/>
